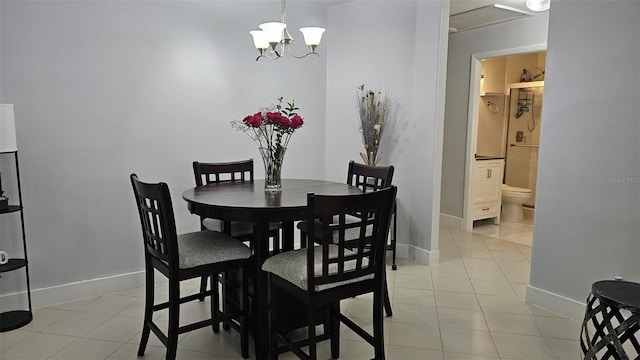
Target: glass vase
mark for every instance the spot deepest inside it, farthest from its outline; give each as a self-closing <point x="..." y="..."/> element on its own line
<point x="272" y="158"/>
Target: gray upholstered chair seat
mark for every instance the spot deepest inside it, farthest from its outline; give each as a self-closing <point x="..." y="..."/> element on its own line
<point x="206" y="247"/>
<point x="238" y="229"/>
<point x="292" y="266"/>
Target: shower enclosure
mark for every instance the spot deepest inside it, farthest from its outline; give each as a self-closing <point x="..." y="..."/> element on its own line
<point x="523" y="136"/>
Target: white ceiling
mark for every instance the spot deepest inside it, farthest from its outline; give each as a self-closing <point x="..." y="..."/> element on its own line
<point x="458" y="6"/>
<point x="488" y="15"/>
<point x="471" y="14"/>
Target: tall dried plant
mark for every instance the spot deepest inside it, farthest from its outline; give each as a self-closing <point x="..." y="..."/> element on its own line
<point x="373" y="108"/>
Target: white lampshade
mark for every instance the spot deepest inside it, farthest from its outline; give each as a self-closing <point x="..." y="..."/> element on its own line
<point x="312" y="35"/>
<point x="8" y="141"/>
<point x="273" y="31"/>
<point x="259" y="39"/>
<point x="538" y="5"/>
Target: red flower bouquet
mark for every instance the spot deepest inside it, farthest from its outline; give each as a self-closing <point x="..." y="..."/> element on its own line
<point x="271" y="128"/>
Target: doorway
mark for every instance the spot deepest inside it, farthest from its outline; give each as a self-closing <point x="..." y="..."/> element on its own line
<point x="504" y="124"/>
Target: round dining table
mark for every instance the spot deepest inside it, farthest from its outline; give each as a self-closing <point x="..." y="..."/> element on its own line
<point x="249" y="202"/>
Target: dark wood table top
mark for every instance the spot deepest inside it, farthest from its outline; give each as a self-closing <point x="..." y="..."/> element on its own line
<point x="250" y="203"/>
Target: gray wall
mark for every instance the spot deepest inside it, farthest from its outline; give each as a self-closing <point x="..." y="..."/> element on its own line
<point x="106" y="88"/>
<point x="103" y="89"/>
<point x="392" y="47"/>
<point x="510" y="35"/>
<point x="588" y="205"/>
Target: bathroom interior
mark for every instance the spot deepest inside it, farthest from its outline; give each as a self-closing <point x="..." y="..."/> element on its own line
<point x="511" y="97"/>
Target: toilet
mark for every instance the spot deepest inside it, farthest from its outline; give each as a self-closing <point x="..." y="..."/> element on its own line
<point x="512" y="200"/>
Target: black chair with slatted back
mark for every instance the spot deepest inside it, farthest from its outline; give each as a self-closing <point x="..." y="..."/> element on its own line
<point x="183" y="257"/>
<point x="235" y="171"/>
<point x="348" y="261"/>
<point x="372" y="178"/>
<point x="367" y="178"/>
<point x="209" y="173"/>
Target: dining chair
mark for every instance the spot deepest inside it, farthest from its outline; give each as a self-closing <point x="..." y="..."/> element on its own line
<point x="367" y="178"/>
<point x="373" y="178"/>
<point x="182" y="257"/>
<point x="221" y="172"/>
<point x="348" y="260"/>
<point x="236" y="171"/>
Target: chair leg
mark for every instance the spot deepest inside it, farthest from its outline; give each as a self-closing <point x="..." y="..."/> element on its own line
<point x="148" y="309"/>
<point x="378" y="324"/>
<point x="393" y="238"/>
<point x="334" y="309"/>
<point x="387" y="302"/>
<point x="215" y="302"/>
<point x="174" y="319"/>
<point x="312" y="332"/>
<point x="244" y="319"/>
<point x="203" y="279"/>
<point x="272" y="319"/>
<point x="225" y="293"/>
<point x="203" y="286"/>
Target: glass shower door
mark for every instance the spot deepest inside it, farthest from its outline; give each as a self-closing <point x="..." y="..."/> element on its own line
<point x="523" y="138"/>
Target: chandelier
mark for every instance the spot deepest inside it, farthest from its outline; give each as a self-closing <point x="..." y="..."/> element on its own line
<point x="538" y="5"/>
<point x="273" y="38"/>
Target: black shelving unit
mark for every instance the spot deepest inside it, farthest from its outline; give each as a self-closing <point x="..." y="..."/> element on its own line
<point x="15" y="319"/>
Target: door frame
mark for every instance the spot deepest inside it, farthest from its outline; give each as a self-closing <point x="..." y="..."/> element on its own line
<point x="472" y="118"/>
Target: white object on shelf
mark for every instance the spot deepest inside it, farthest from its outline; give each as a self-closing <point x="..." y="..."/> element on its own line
<point x="493" y="93"/>
<point x="8" y="141"/>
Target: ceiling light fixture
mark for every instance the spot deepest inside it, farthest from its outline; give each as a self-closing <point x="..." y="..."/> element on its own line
<point x="272" y="34"/>
<point x="538" y="5"/>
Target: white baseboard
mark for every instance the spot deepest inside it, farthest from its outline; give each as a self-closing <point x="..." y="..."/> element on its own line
<point x="402" y="251"/>
<point x="121" y="282"/>
<point x="555" y="303"/>
<point x="74" y="291"/>
<point x="417" y="254"/>
<point x="451" y="222"/>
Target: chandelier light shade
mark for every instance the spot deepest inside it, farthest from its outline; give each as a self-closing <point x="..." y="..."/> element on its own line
<point x="8" y="141"/>
<point x="273" y="38"/>
<point x="259" y="40"/>
<point x="273" y="31"/>
<point x="312" y="36"/>
<point x="538" y="5"/>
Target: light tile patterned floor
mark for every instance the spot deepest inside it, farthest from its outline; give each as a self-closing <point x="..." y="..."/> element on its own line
<point x="469" y="306"/>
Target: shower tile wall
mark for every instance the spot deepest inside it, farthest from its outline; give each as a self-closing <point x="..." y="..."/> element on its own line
<point x="521" y="167"/>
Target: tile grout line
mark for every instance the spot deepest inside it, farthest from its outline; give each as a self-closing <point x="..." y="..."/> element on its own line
<point x="544" y="339"/>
